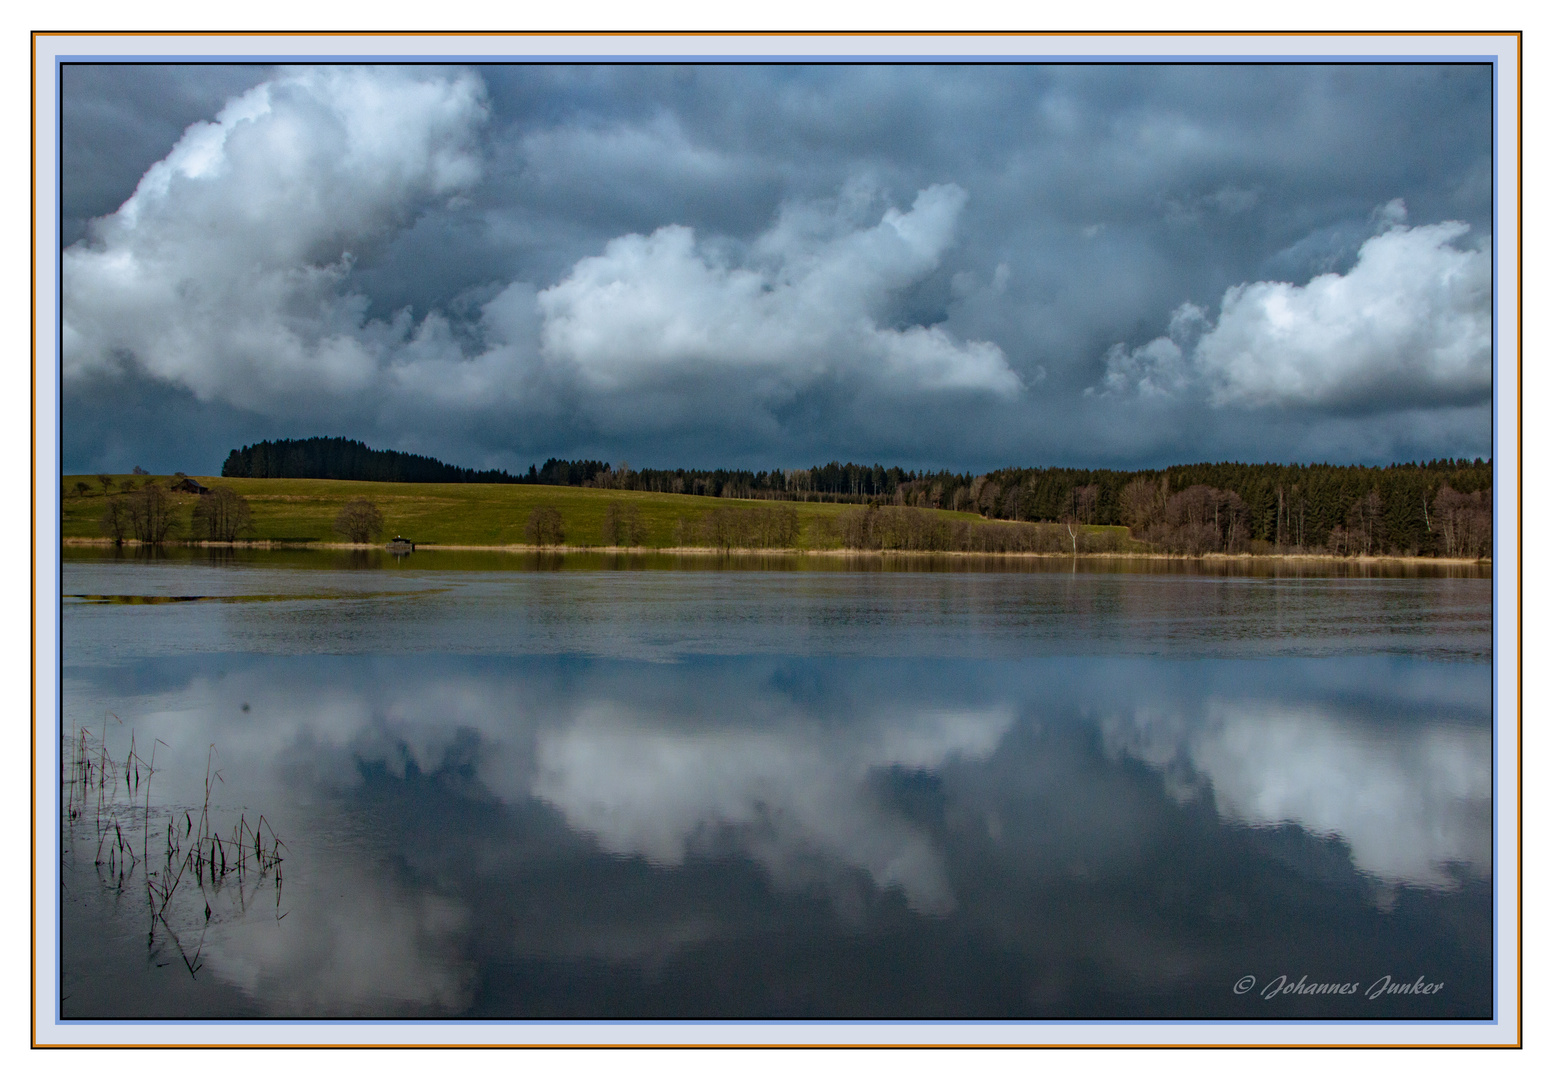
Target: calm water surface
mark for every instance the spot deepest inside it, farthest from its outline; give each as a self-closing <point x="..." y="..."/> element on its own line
<point x="536" y="788"/>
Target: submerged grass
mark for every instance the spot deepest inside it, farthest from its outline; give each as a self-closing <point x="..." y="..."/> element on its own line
<point x="194" y="875"/>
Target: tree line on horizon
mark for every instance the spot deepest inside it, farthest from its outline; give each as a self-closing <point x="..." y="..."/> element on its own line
<point x="1438" y="507"/>
<point x="348" y="459"/>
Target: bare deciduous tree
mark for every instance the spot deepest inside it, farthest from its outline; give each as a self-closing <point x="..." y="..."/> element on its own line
<point x="359" y="521"/>
<point x="1141" y="501"/>
<point x="82" y="487"/>
<point x="1465" y="522"/>
<point x="1071" y="524"/>
<point x="1199" y="519"/>
<point x="987" y="500"/>
<point x="150" y="514"/>
<point x="221" y="514"/>
<point x="544" y="527"/>
<point x="115" y="522"/>
<point x="1011" y="502"/>
<point x="106" y="481"/>
<point x="973" y="496"/>
<point x="730" y="527"/>
<point x="623" y="525"/>
<point x="1085" y="501"/>
<point x="908" y="528"/>
<point x="1365" y="525"/>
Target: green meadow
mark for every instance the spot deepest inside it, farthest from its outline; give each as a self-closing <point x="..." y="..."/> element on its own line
<point x="479" y="515"/>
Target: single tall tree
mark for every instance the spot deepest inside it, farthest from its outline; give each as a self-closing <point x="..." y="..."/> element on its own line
<point x="115" y="522"/>
<point x="1070" y="522"/>
<point x="359" y="521"/>
<point x="544" y="527"/>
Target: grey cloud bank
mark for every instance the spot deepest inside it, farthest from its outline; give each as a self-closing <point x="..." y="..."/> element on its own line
<point x="943" y="266"/>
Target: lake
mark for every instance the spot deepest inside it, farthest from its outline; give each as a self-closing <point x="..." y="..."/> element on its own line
<point x="657" y="787"/>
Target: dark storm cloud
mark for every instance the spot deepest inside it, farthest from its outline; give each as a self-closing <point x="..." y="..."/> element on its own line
<point x="957" y="266"/>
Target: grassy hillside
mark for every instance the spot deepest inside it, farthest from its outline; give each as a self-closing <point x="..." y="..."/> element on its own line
<point x="299" y="511"/>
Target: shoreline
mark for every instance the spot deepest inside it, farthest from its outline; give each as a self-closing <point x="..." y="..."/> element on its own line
<point x="853" y="553"/>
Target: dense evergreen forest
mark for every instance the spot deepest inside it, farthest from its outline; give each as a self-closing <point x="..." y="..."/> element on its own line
<point x="347" y="459"/>
<point x="1441" y="507"/>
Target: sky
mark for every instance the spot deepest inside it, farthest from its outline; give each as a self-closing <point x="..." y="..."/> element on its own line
<point x="774" y="266"/>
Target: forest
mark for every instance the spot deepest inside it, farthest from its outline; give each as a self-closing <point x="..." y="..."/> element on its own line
<point x="348" y="459"/>
<point x="1439" y="507"/>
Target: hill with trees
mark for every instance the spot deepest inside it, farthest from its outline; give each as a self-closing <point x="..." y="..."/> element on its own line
<point x="1440" y="507"/>
<point x="348" y="459"/>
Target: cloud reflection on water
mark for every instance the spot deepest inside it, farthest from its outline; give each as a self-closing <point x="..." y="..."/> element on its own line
<point x="367" y="944"/>
<point x="787" y="794"/>
<point x="1410" y="802"/>
<point x="446" y="812"/>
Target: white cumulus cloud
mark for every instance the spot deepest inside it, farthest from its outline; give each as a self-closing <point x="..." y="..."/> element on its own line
<point x="230" y="273"/>
<point x="1160" y="368"/>
<point x="804" y="304"/>
<point x="224" y="271"/>
<point x="1409" y="325"/>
